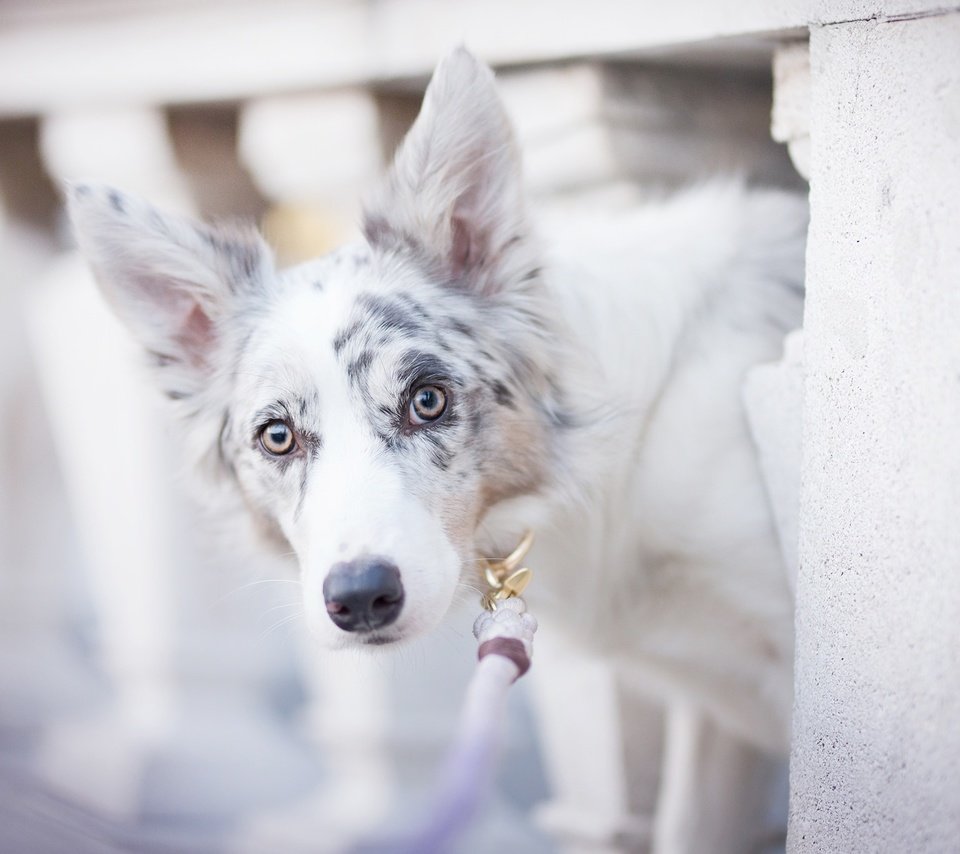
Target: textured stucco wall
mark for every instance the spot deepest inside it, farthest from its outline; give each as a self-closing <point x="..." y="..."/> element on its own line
<point x="876" y="756"/>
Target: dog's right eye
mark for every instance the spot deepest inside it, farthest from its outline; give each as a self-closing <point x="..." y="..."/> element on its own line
<point x="277" y="438"/>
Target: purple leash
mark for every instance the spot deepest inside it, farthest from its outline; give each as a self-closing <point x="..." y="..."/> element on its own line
<point x="504" y="632"/>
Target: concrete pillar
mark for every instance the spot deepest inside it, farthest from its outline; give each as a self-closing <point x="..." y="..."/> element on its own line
<point x="876" y="736"/>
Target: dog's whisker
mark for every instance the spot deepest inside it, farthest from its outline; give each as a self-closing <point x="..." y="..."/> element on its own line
<point x="249" y="585"/>
<point x="279" y="607"/>
<point x="284" y="621"/>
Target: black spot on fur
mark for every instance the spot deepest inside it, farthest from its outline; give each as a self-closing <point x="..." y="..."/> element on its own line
<point x="162" y="360"/>
<point x="503" y="395"/>
<point x="173" y="394"/>
<point x="415" y="306"/>
<point x="358" y="368"/>
<point x="343" y="337"/>
<point x="395" y="318"/>
<point x="462" y="328"/>
<point x="390" y="315"/>
<point x="441" y="458"/>
<point x="476" y="422"/>
<point x="443" y="344"/>
<point x="242" y="256"/>
<point x="246" y="258"/>
<point x="381" y="234"/>
<point x="378" y="230"/>
<point x="478" y="371"/>
<point x="440" y="453"/>
<point x="312" y="443"/>
<point x="301" y="498"/>
<point x="418" y="368"/>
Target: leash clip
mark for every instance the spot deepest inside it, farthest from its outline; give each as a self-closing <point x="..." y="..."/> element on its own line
<point x="505" y="577"/>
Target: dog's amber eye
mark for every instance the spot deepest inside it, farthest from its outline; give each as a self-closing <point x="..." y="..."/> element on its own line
<point x="428" y="404"/>
<point x="277" y="438"/>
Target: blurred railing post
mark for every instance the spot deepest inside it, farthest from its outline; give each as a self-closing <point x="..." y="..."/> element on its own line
<point x="101" y="413"/>
<point x="165" y="650"/>
<point x="42" y="673"/>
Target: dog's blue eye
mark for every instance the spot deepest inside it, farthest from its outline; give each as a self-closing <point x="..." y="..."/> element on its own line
<point x="277" y="438"/>
<point x="428" y="404"/>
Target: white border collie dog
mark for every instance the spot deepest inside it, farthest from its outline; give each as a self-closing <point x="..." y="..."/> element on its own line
<point x="397" y="408"/>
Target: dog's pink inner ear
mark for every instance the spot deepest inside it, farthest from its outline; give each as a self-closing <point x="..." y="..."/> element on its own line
<point x="462" y="251"/>
<point x="196" y="337"/>
<point x="182" y="327"/>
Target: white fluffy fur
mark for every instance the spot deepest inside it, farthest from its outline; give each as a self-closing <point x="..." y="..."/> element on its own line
<point x="671" y="552"/>
<point x="625" y="340"/>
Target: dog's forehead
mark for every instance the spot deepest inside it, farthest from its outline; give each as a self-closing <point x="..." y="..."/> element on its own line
<point x="342" y="313"/>
<point x="342" y="271"/>
<point x="358" y="303"/>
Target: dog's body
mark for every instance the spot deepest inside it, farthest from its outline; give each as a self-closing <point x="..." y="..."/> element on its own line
<point x="587" y="383"/>
<point x="669" y="562"/>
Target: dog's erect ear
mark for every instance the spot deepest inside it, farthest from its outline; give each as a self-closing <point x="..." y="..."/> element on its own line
<point x="454" y="191"/>
<point x="169" y="279"/>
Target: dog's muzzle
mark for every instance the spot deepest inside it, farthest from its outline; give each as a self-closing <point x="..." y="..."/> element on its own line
<point x="364" y="594"/>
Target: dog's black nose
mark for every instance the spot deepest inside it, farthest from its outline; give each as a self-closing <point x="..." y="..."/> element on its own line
<point x="364" y="594"/>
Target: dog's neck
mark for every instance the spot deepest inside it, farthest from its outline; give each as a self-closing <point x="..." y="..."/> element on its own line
<point x="614" y="356"/>
<point x="619" y="325"/>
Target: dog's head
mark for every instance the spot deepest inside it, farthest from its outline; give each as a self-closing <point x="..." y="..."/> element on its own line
<point x="372" y="406"/>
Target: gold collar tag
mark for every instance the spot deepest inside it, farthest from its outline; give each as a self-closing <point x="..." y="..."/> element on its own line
<point x="504" y="576"/>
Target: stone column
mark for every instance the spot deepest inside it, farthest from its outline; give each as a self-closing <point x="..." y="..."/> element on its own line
<point x="876" y="737"/>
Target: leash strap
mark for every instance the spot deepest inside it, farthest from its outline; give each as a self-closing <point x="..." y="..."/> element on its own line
<point x="510" y="648"/>
<point x="504" y="631"/>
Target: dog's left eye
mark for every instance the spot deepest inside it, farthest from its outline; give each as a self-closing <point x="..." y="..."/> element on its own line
<point x="427" y="404"/>
<point x="277" y="438"/>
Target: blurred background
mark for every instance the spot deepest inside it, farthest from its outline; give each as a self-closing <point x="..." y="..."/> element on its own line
<point x="156" y="692"/>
